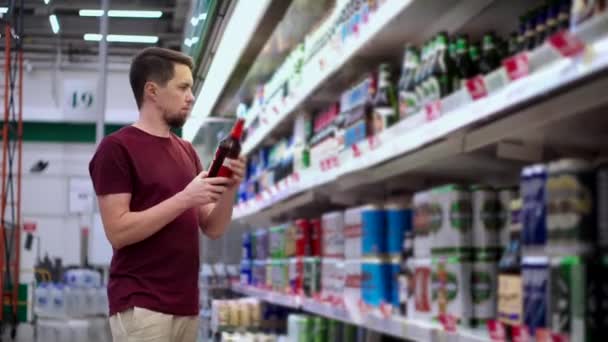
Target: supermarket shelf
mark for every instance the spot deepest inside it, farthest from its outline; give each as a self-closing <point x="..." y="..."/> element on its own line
<point x="394" y="326"/>
<point x="267" y="296"/>
<point x="387" y="28"/>
<point x="528" y="108"/>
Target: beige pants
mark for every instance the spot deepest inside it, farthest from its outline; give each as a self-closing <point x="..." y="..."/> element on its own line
<point x="143" y="325"/>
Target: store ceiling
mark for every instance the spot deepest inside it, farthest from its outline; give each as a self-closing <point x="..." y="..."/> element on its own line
<point x="41" y="44"/>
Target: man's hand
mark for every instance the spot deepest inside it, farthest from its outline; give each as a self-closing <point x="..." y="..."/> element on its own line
<point x="238" y="167"/>
<point x="202" y="190"/>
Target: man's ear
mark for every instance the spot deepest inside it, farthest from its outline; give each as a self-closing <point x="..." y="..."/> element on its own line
<point x="150" y="90"/>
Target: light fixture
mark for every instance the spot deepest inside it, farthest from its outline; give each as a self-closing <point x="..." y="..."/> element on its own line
<point x="120" y="13"/>
<point x="3" y="10"/>
<point x="46" y="2"/>
<point x="122" y="38"/>
<point x="54" y="23"/>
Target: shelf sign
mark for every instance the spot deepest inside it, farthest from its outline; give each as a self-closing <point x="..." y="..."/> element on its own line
<point x="433" y="110"/>
<point x="448" y="322"/>
<point x="477" y="87"/>
<point x="567" y="44"/>
<point x="496" y="330"/>
<point x="517" y="66"/>
<point x="29" y="227"/>
<point x="560" y="337"/>
<point x="520" y="333"/>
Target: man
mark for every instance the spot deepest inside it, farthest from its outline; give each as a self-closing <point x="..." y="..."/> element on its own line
<point x="153" y="196"/>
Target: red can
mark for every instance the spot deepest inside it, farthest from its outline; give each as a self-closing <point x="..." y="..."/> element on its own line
<point x="315" y="237"/>
<point x="303" y="238"/>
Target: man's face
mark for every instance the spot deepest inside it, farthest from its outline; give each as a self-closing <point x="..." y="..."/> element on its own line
<point x="175" y="99"/>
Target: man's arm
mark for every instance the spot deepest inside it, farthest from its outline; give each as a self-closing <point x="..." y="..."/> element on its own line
<point x="215" y="218"/>
<point x="124" y="227"/>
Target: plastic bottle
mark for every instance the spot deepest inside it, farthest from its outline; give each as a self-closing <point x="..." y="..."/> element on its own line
<point x="43" y="301"/>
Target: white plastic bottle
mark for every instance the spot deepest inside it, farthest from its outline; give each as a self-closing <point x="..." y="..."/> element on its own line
<point x="58" y="305"/>
<point x="43" y="300"/>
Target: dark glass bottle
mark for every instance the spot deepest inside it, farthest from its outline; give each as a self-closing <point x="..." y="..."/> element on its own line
<point x="541" y="26"/>
<point x="385" y="102"/>
<point x="228" y="148"/>
<point x="513" y="47"/>
<point x="552" y="14"/>
<point x="453" y="56"/>
<point x="529" y="38"/>
<point x="406" y="274"/>
<point x="491" y="58"/>
<point x="563" y="17"/>
<point x="408" y="100"/>
<point x="444" y="69"/>
<point x="464" y="66"/>
<point x="521" y="34"/>
<point x="475" y="58"/>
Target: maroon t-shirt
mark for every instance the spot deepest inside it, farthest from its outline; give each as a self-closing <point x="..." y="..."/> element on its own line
<point x="159" y="273"/>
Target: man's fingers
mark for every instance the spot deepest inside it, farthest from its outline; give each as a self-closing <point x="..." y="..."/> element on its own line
<point x="218" y="189"/>
<point x="217" y="180"/>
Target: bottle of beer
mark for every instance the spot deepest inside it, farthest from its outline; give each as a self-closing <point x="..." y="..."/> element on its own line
<point x="521" y="35"/>
<point x="513" y="47"/>
<point x="386" y="110"/>
<point x="228" y="148"/>
<point x="406" y="276"/>
<point x="421" y="76"/>
<point x="563" y="17"/>
<point x="475" y="57"/>
<point x="529" y="38"/>
<point x="464" y="65"/>
<point x="552" y="14"/>
<point x="444" y="69"/>
<point x="541" y="26"/>
<point x="453" y="56"/>
<point x="408" y="100"/>
<point x="490" y="56"/>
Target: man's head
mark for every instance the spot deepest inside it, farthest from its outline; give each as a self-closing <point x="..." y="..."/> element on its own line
<point x="162" y="78"/>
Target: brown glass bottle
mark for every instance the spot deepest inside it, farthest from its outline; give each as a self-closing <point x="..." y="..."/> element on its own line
<point x="228" y="148"/>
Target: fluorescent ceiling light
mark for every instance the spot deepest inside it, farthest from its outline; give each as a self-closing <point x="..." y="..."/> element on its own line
<point x="121" y="38"/>
<point x="3" y="10"/>
<point x="46" y="2"/>
<point x="239" y="30"/>
<point x="54" y="23"/>
<point x="120" y="13"/>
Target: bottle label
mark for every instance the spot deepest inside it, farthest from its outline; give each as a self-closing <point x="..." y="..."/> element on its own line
<point x="408" y="103"/>
<point x="225" y="170"/>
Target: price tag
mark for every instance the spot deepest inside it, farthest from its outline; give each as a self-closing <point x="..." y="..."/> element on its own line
<point x="374" y="142"/>
<point x="477" y="87"/>
<point x="517" y="66"/>
<point x="448" y="322"/>
<point x="497" y="330"/>
<point x="560" y="337"/>
<point x="356" y="150"/>
<point x="567" y="44"/>
<point x="542" y="335"/>
<point x="521" y="334"/>
<point x="433" y="110"/>
<point x="29" y="227"/>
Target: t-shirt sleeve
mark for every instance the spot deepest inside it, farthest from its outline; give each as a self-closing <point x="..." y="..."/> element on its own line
<point x="110" y="169"/>
<point x="195" y="158"/>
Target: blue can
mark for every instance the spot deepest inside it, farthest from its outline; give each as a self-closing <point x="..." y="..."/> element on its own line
<point x="535" y="276"/>
<point x="246" y="272"/>
<point x="533" y="213"/>
<point x="374" y="281"/>
<point x="374" y="231"/>
<point x="398" y="222"/>
<point x="247" y="248"/>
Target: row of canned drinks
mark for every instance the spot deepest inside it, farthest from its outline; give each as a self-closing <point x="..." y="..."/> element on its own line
<point x="371" y="230"/>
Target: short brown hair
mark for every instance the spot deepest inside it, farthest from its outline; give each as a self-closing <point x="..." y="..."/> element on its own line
<point x="154" y="64"/>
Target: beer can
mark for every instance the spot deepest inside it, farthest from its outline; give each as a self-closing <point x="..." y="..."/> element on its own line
<point x="422" y="304"/>
<point x="319" y="329"/>
<point x="452" y="288"/>
<point x="246" y="272"/>
<point x="510" y="299"/>
<point x="485" y="219"/>
<point x="277" y="241"/>
<point x="374" y="231"/>
<point x="261" y="244"/>
<point x="334" y="330"/>
<point x="353" y="233"/>
<point x="571" y="218"/>
<point x="398" y="222"/>
<point x="303" y="237"/>
<point x="568" y="297"/>
<point x="246" y="254"/>
<point x="375" y="281"/>
<point x="423" y="224"/>
<point x="291" y="235"/>
<point x="535" y="275"/>
<point x="533" y="213"/>
<point x="352" y="284"/>
<point x="315" y="237"/>
<point x="296" y="275"/>
<point x="332" y="236"/>
<point x="450" y="221"/>
<point x="505" y="196"/>
<point x="312" y="276"/>
<point x="484" y="289"/>
<point x="394" y="267"/>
